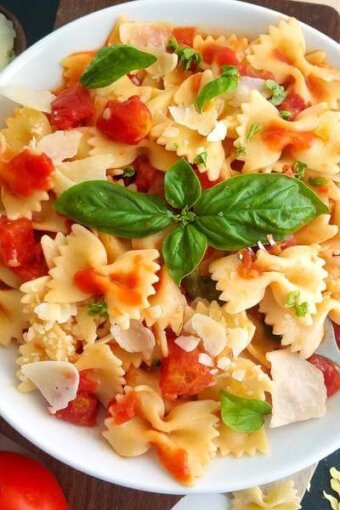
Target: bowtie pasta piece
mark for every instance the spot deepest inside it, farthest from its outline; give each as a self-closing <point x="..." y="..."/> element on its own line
<point x="280" y="496"/>
<point x="24" y="125"/>
<point x="22" y="207"/>
<point x="12" y="319"/>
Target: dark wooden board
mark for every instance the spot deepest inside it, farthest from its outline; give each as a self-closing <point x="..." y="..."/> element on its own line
<point x="84" y="492"/>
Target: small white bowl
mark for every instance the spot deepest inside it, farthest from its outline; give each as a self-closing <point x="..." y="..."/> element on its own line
<point x="292" y="448"/>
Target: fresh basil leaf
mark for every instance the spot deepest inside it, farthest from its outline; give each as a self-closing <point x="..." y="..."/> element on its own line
<point x="227" y="82"/>
<point x="99" y="308"/>
<point x="183" y="250"/>
<point x="245" y="209"/>
<point x="299" y="168"/>
<point x="113" y="62"/>
<point x="243" y="414"/>
<point x="187" y="56"/>
<point x="278" y="92"/>
<point x="285" y="114"/>
<point x="317" y="181"/>
<point x="201" y="159"/>
<point x="240" y="149"/>
<point x="200" y="286"/>
<point x="181" y="185"/>
<point x="292" y="300"/>
<point x="114" y="209"/>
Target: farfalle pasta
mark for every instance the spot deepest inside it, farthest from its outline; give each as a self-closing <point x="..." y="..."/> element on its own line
<point x="169" y="241"/>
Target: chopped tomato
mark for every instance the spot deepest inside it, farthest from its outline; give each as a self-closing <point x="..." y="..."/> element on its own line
<point x="125" y="409"/>
<point x="148" y="177"/>
<point x="279" y="137"/>
<point x="337" y="333"/>
<point x="184" y="35"/>
<point x="294" y="104"/>
<point x="246" y="268"/>
<point x="248" y="70"/>
<point x="182" y="374"/>
<point x="128" y="122"/>
<point x="90" y="282"/>
<point x="279" y="247"/>
<point x="175" y="460"/>
<point x="206" y="183"/>
<point x="72" y="108"/>
<point x="331" y="372"/>
<point x="27" y="173"/>
<point x="87" y="381"/>
<point x="83" y="410"/>
<point x="28" y="485"/>
<point x="221" y="55"/>
<point x="19" y="251"/>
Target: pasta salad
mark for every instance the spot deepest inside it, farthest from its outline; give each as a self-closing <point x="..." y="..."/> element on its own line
<point x="169" y="239"/>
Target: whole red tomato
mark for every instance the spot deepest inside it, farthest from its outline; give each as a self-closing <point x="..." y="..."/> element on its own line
<point x="25" y="484"/>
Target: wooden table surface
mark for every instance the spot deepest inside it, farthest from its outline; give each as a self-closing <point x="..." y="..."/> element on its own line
<point x="84" y="492"/>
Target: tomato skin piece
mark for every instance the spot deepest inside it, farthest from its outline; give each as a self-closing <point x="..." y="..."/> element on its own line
<point x="125" y="409"/>
<point x="72" y="108"/>
<point x="336" y="328"/>
<point x="148" y="177"/>
<point x="182" y="374"/>
<point x="28" y="485"/>
<point x="27" y="173"/>
<point x="184" y="35"/>
<point x="294" y="104"/>
<point x="90" y="282"/>
<point x="19" y="251"/>
<point x="83" y="410"/>
<point x="221" y="55"/>
<point x="86" y="382"/>
<point x="127" y="122"/>
<point x="206" y="183"/>
<point x="330" y="371"/>
<point x="175" y="460"/>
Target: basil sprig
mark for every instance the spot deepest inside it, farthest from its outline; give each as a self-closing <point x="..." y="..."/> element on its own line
<point x="227" y="82"/>
<point x="234" y="214"/>
<point x="113" y="62"/>
<point x="243" y="414"/>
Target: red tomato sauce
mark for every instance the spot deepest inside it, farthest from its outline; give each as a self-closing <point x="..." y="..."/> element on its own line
<point x="90" y="282"/>
<point x="278" y="138"/>
<point x="175" y="460"/>
<point x="184" y="35"/>
<point x="125" y="409"/>
<point x="330" y="371"/>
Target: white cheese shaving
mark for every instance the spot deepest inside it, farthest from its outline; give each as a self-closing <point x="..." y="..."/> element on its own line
<point x="299" y="391"/>
<point x="7" y="37"/>
<point x="204" y="123"/>
<point x="145" y="36"/>
<point x="218" y="133"/>
<point x="246" y="85"/>
<point x="187" y="343"/>
<point x="213" y="333"/>
<point x="238" y="375"/>
<point x="57" y="381"/>
<point x="60" y="145"/>
<point x="238" y="339"/>
<point x="37" y="99"/>
<point x="137" y="338"/>
<point x="60" y="313"/>
<point x="223" y="363"/>
<point x="205" y="360"/>
<point x="166" y="62"/>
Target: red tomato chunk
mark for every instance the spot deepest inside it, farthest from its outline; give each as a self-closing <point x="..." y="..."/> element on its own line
<point x="331" y="372"/>
<point x="19" y="251"/>
<point x="125" y="409"/>
<point x="127" y="122"/>
<point x="184" y="35"/>
<point x="72" y="108"/>
<point x="148" y="178"/>
<point x="83" y="410"/>
<point x="27" y="173"/>
<point x="294" y="104"/>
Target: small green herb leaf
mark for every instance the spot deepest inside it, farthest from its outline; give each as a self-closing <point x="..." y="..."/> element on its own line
<point x="129" y="171"/>
<point x="292" y="301"/>
<point x="183" y="250"/>
<point x="301" y="309"/>
<point x="299" y="168"/>
<point x="285" y="114"/>
<point x="239" y="212"/>
<point x="156" y="362"/>
<point x="252" y="131"/>
<point x="317" y="181"/>
<point x="227" y="82"/>
<point x="200" y="286"/>
<point x="97" y="308"/>
<point x="278" y="93"/>
<point x="182" y="186"/>
<point x="114" y="209"/>
<point x="240" y="149"/>
<point x="113" y="62"/>
<point x="243" y="414"/>
<point x="187" y="56"/>
<point x="201" y="159"/>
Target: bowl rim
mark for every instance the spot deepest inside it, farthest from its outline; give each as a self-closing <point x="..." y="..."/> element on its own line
<point x="52" y="449"/>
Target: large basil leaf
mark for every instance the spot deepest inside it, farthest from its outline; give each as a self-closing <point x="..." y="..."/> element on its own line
<point x="183" y="250"/>
<point x="113" y="209"/>
<point x="113" y="62"/>
<point x="182" y="186"/>
<point x="243" y="414"/>
<point x="243" y="210"/>
<point x="227" y="82"/>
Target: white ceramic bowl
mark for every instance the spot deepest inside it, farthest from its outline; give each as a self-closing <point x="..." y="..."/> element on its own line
<point x="293" y="447"/>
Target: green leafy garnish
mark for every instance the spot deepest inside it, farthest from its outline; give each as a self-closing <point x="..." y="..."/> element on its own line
<point x="187" y="56"/>
<point x="299" y="168"/>
<point x="240" y="149"/>
<point x="156" y="362"/>
<point x="278" y="93"/>
<point x="128" y="171"/>
<point x="201" y="159"/>
<point x="252" y="131"/>
<point x="317" y="181"/>
<point x="97" y="308"/>
<point x="200" y="286"/>
<point x="227" y="82"/>
<point x="243" y="414"/>
<point x="113" y="62"/>
<point x="292" y="301"/>
<point x="232" y="215"/>
<point x="285" y="114"/>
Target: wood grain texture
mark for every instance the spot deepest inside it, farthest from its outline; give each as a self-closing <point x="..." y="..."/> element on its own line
<point x="84" y="492"/>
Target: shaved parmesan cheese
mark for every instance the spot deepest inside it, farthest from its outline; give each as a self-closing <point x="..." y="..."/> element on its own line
<point x="218" y="133"/>
<point x="299" y="392"/>
<point x="238" y="339"/>
<point x="223" y="363"/>
<point x="246" y="85"/>
<point x="145" y="36"/>
<point x="60" y="145"/>
<point x="60" y="313"/>
<point x="37" y="99"/>
<point x="205" y="360"/>
<point x="238" y="375"/>
<point x="204" y="123"/>
<point x="7" y="37"/>
<point x="187" y="343"/>
<point x="166" y="62"/>
<point x="137" y="338"/>
<point x="57" y="381"/>
<point x="213" y="333"/>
